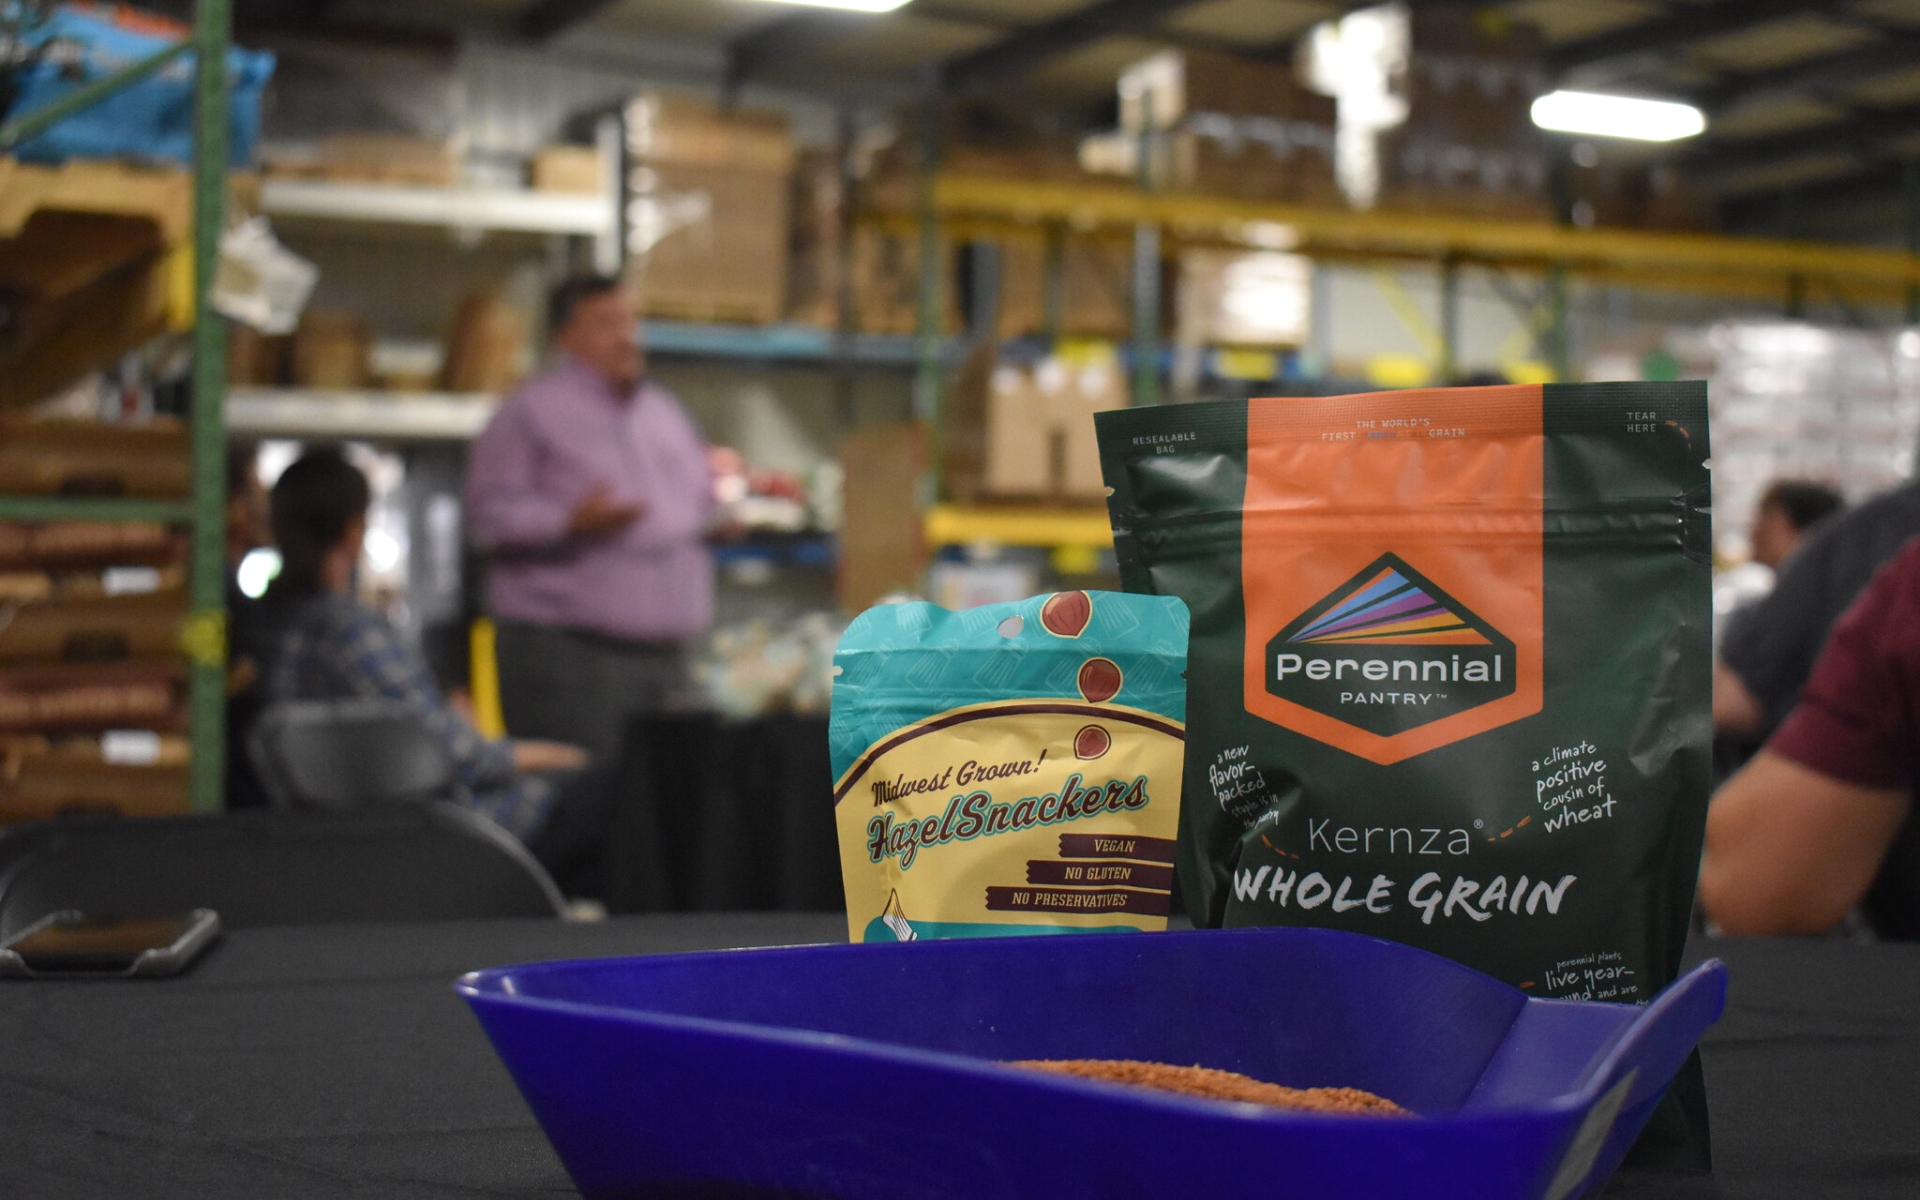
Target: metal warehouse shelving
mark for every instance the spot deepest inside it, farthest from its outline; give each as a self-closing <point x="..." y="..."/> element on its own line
<point x="77" y="186"/>
<point x="476" y="209"/>
<point x="296" y="412"/>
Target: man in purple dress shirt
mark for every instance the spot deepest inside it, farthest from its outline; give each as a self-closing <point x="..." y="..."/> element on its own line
<point x="590" y="489"/>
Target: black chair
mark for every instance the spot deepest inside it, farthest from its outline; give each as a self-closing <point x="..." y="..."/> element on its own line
<point x="339" y="755"/>
<point x="420" y="862"/>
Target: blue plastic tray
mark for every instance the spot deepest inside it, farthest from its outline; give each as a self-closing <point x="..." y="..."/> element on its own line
<point x="859" y="1072"/>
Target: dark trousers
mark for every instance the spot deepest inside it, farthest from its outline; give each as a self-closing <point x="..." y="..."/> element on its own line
<point x="565" y="685"/>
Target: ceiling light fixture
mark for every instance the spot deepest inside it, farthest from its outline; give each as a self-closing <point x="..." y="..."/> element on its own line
<point x="867" y="6"/>
<point x="1617" y="116"/>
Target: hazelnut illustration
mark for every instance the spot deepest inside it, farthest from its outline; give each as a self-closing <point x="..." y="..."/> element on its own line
<point x="1066" y="614"/>
<point x="1091" y="742"/>
<point x="1099" y="679"/>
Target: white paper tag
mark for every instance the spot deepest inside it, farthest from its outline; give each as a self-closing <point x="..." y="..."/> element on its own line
<point x="130" y="747"/>
<point x="130" y="581"/>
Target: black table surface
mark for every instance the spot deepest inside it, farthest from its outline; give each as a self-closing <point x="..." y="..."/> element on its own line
<point x="337" y="1062"/>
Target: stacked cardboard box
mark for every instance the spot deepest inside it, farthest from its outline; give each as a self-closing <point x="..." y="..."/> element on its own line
<point x="1026" y="432"/>
<point x="707" y="196"/>
<point x="1242" y="128"/>
<point x="41" y="778"/>
<point x="881" y="263"/>
<point x="1469" y="145"/>
<point x="1256" y="298"/>
<point x="1095" y="282"/>
<point x="1637" y="195"/>
<point x="573" y="169"/>
<point x="329" y="350"/>
<point x="487" y="349"/>
<point x="89" y="458"/>
<point x="367" y="158"/>
<point x="90" y="673"/>
<point x="882" y="547"/>
<point x="819" y="228"/>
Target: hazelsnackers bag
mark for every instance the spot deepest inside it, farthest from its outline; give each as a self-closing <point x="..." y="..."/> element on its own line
<point x="1449" y="673"/>
<point x="1010" y="769"/>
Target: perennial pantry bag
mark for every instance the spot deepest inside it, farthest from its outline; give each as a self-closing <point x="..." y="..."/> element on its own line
<point x="1449" y="672"/>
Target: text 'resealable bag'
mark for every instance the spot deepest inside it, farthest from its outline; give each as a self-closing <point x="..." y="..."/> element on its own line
<point x="1010" y="769"/>
<point x="1450" y="664"/>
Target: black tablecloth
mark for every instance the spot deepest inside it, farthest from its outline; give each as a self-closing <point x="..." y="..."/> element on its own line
<point x="724" y="816"/>
<point x="337" y="1062"/>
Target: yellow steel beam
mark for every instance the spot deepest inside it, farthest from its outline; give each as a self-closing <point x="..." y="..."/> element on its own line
<point x="1417" y="323"/>
<point x="953" y="525"/>
<point x="1429" y="236"/>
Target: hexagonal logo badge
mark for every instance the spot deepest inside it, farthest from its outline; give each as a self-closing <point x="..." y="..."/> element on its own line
<point x="1388" y="651"/>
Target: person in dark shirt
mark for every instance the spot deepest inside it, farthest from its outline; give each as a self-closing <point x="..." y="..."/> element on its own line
<point x="1820" y="822"/>
<point x="1787" y="511"/>
<point x="332" y="647"/>
<point x="1766" y="657"/>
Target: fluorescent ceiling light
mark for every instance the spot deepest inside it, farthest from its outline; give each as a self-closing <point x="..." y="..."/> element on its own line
<point x="1617" y="116"/>
<point x="874" y="6"/>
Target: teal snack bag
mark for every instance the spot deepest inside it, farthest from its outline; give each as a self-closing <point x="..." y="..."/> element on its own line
<point x="1010" y="769"/>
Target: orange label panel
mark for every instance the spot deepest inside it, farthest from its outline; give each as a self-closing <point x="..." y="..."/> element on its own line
<point x="1391" y="562"/>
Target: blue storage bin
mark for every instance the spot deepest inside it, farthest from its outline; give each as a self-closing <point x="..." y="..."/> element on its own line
<point x="860" y="1072"/>
<point x="152" y="119"/>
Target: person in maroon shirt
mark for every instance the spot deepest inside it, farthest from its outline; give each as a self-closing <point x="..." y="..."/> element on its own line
<point x="1820" y="822"/>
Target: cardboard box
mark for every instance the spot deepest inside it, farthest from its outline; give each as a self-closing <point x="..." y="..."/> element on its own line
<point x="330" y="350"/>
<point x="1639" y="196"/>
<point x="1469" y="145"/>
<point x="574" y="169"/>
<point x="1234" y="126"/>
<point x="1095" y="282"/>
<point x="687" y="131"/>
<point x="88" y="458"/>
<point x="72" y="545"/>
<point x="368" y="158"/>
<point x="1259" y="298"/>
<point x="963" y="423"/>
<point x="41" y="780"/>
<point x="107" y="629"/>
<point x="1022" y="307"/>
<point x="813" y="287"/>
<point x="1290" y="163"/>
<point x="886" y="282"/>
<point x="1097" y="287"/>
<point x="256" y="359"/>
<point x="718" y="246"/>
<point x="708" y="198"/>
<point x="76" y="697"/>
<point x="1040" y="439"/>
<point x="882" y="538"/>
<point x="487" y="349"/>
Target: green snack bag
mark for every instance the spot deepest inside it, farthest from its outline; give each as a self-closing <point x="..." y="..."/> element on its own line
<point x="1449" y="675"/>
<point x="1010" y="769"/>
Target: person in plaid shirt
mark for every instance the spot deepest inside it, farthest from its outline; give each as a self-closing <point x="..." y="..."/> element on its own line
<point x="332" y="647"/>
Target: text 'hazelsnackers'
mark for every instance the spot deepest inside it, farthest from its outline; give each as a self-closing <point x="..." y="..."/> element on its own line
<point x="1450" y="665"/>
<point x="1014" y="768"/>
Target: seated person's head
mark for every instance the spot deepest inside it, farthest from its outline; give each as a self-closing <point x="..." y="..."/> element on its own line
<point x="1788" y="509"/>
<point x="319" y="514"/>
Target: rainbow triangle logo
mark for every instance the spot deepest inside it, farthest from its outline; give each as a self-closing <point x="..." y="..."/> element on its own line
<point x="1387" y="607"/>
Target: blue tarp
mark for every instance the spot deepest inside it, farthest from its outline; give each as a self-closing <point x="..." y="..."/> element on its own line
<point x="152" y="119"/>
